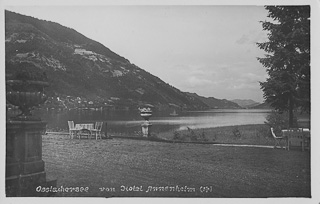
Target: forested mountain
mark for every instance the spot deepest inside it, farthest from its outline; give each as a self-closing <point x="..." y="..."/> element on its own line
<point x="245" y="103"/>
<point x="262" y="106"/>
<point x="82" y="71"/>
<point x="214" y="103"/>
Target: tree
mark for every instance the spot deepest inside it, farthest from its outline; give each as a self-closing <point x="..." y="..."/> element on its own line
<point x="288" y="59"/>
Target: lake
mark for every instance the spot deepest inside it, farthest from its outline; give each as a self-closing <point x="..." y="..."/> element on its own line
<point x="130" y="121"/>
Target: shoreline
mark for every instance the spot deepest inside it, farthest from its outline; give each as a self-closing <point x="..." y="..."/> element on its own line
<point x="251" y="134"/>
<point x="254" y="134"/>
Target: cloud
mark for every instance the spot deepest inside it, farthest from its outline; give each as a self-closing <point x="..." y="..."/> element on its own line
<point x="195" y="81"/>
<point x="244" y="39"/>
<point x="251" y="77"/>
<point x="191" y="76"/>
<point x="228" y="80"/>
<point x="253" y="37"/>
<point x="262" y="36"/>
<point x="243" y="86"/>
<point x="220" y="81"/>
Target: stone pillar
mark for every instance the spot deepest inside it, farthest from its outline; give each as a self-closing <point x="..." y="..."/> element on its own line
<point x="24" y="165"/>
<point x="146" y="128"/>
<point x="145" y="113"/>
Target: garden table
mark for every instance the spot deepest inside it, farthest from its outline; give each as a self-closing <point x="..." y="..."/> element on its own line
<point x="84" y="127"/>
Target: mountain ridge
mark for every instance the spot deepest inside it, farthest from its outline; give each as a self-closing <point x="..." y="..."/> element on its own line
<point x="83" y="72"/>
<point x="214" y="103"/>
<point x="245" y="103"/>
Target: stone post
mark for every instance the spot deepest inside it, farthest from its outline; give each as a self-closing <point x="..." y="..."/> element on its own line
<point x="146" y="113"/>
<point x="24" y="165"/>
<point x="145" y="126"/>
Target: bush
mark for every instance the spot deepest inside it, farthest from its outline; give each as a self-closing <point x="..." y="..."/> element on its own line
<point x="153" y="136"/>
<point x="280" y="121"/>
<point x="176" y="135"/>
<point x="263" y="131"/>
<point x="190" y="135"/>
<point x="236" y="133"/>
<point x="193" y="135"/>
<point x="203" y="137"/>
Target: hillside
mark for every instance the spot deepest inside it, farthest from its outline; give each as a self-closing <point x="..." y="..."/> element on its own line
<point x="214" y="103"/>
<point x="83" y="72"/>
<point x="245" y="103"/>
<point x="262" y="106"/>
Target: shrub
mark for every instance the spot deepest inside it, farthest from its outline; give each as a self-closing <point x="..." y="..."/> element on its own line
<point x="236" y="132"/>
<point x="190" y="135"/>
<point x="193" y="136"/>
<point x="176" y="135"/>
<point x="214" y="137"/>
<point x="152" y="134"/>
<point x="203" y="137"/>
<point x="279" y="121"/>
<point x="264" y="132"/>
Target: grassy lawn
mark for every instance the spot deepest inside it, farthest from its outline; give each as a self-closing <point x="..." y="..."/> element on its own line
<point x="107" y="166"/>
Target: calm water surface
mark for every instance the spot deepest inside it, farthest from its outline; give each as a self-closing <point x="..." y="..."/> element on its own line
<point x="130" y="121"/>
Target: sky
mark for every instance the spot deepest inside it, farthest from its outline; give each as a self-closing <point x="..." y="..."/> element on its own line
<point x="205" y="49"/>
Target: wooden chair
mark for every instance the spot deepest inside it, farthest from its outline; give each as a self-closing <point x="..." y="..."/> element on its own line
<point x="72" y="129"/>
<point x="278" y="140"/>
<point x="296" y="138"/>
<point x="306" y="138"/>
<point x="97" y="129"/>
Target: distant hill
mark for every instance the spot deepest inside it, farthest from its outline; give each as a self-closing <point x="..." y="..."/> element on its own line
<point x="262" y="106"/>
<point x="215" y="103"/>
<point x="83" y="72"/>
<point x="245" y="103"/>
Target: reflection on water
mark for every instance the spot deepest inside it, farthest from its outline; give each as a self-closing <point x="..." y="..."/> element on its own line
<point x="130" y="121"/>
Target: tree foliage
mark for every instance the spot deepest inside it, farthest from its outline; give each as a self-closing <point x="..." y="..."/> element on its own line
<point x="288" y="58"/>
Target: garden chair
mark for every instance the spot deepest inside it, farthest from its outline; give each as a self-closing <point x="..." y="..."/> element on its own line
<point x="296" y="137"/>
<point x="306" y="138"/>
<point x="72" y="129"/>
<point x="278" y="140"/>
<point x="97" y="129"/>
